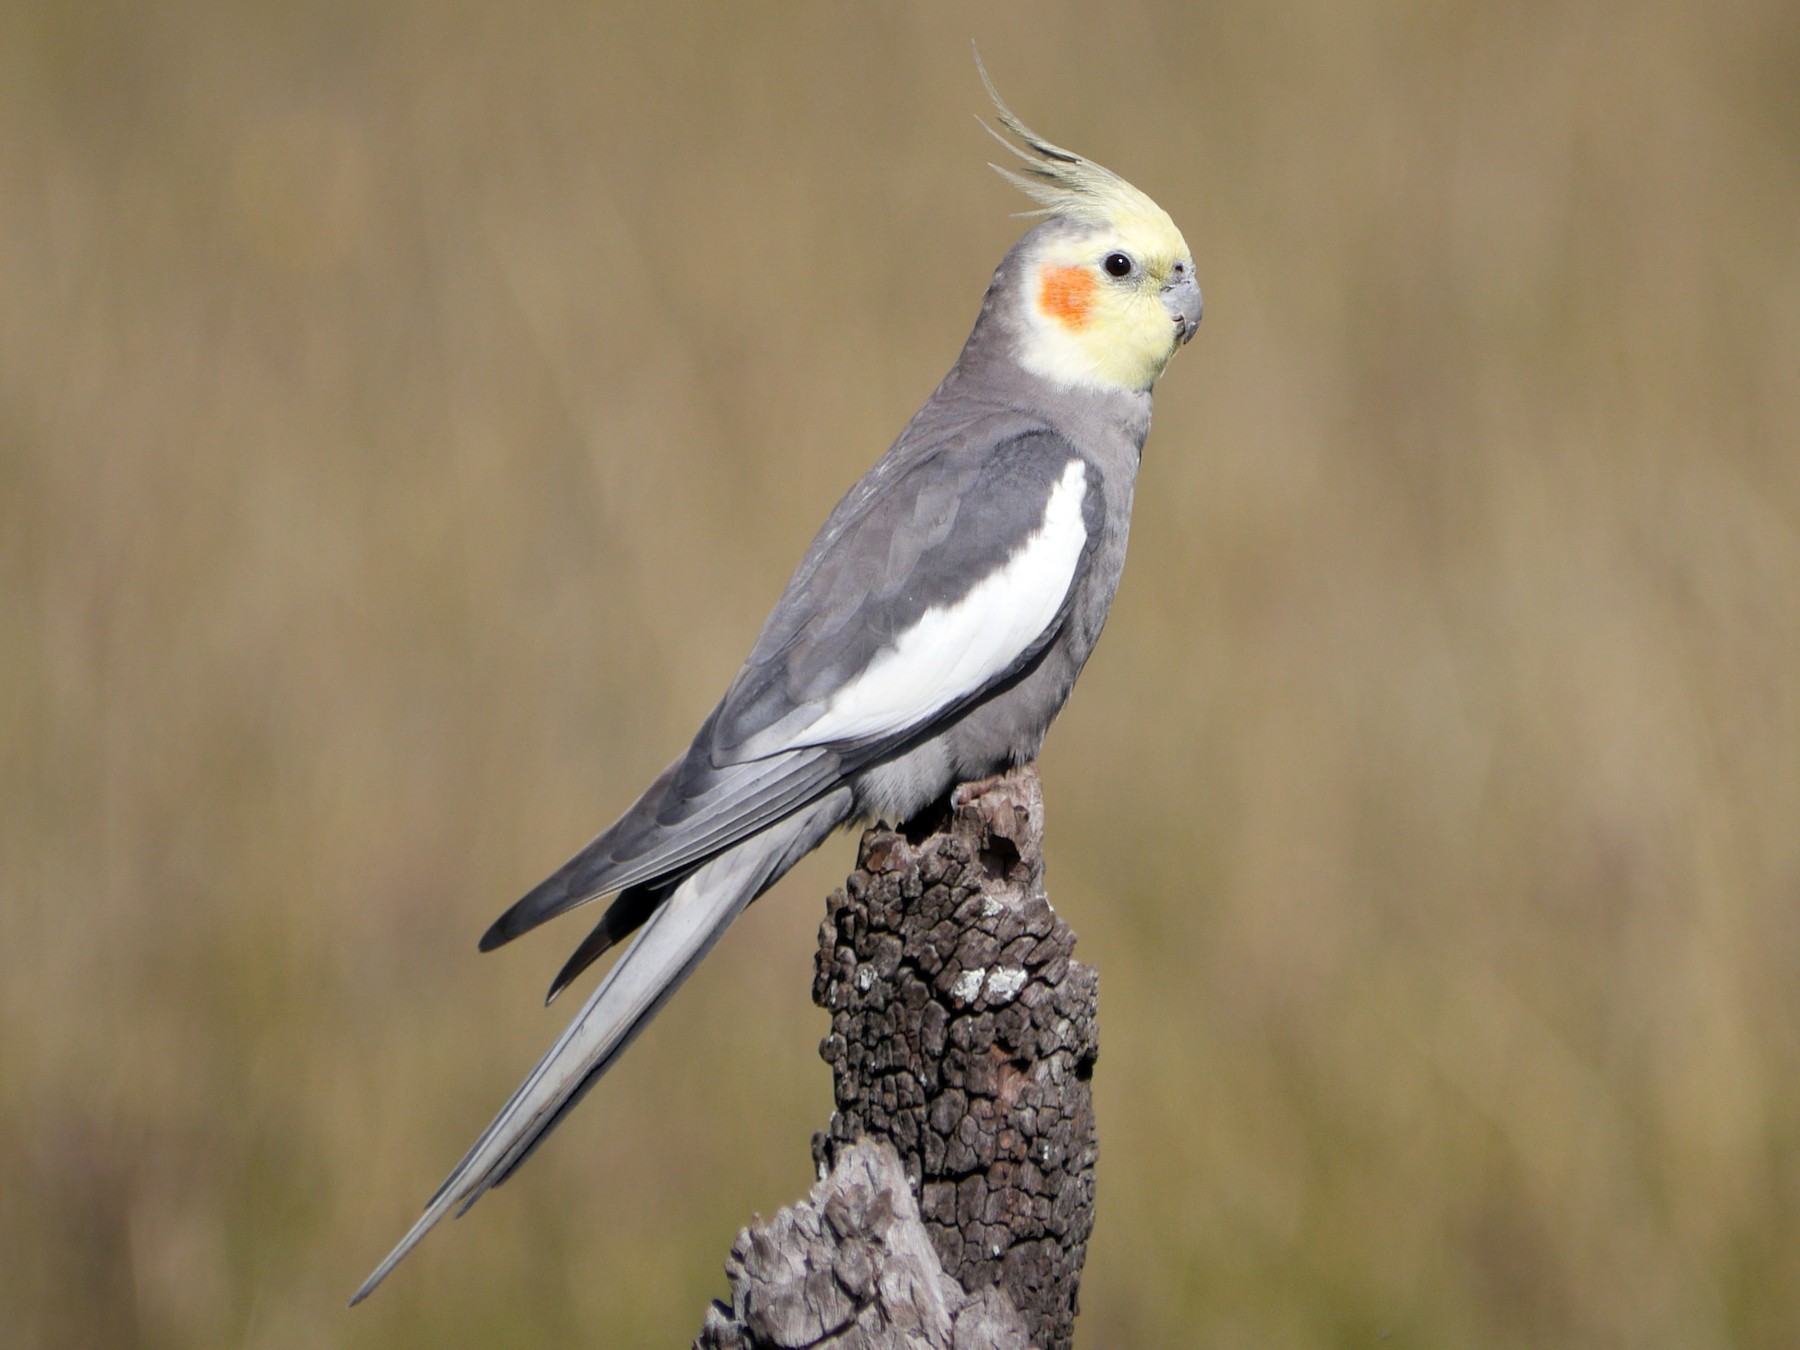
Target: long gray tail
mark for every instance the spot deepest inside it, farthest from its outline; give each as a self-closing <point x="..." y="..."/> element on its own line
<point x="672" y="943"/>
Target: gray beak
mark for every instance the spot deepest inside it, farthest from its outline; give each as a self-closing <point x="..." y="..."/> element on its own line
<point x="1181" y="297"/>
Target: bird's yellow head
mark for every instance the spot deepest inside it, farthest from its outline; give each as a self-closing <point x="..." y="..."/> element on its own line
<point x="1107" y="288"/>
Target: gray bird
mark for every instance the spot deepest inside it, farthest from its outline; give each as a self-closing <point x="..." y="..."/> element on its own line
<point x="932" y="632"/>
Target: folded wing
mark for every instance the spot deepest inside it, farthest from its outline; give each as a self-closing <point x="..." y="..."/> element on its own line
<point x="925" y="589"/>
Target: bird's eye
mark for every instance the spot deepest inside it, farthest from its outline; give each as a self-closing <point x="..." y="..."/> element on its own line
<point x="1117" y="265"/>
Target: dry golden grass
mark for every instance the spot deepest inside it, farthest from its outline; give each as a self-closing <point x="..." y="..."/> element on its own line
<point x="408" y="413"/>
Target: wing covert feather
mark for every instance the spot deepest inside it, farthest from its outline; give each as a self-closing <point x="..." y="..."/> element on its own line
<point x="913" y="599"/>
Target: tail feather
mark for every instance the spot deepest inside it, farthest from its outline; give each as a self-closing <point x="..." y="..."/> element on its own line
<point x="624" y="916"/>
<point x="673" y="941"/>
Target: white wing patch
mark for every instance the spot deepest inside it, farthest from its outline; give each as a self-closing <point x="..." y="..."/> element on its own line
<point x="955" y="649"/>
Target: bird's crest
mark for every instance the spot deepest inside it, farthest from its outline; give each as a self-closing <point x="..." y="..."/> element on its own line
<point x="1064" y="183"/>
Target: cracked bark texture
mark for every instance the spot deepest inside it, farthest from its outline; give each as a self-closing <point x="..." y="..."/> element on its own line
<point x="851" y="1268"/>
<point x="963" y="1032"/>
<point x="963" y="1039"/>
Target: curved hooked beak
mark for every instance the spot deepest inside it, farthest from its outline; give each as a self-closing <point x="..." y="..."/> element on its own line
<point x="1181" y="297"/>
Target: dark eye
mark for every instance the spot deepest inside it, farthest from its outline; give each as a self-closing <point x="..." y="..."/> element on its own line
<point x="1117" y="265"/>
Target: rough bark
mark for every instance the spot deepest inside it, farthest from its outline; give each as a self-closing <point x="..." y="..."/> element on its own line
<point x="851" y="1268"/>
<point x="963" y="1035"/>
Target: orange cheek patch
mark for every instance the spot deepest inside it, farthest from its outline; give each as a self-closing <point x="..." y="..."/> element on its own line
<point x="1066" y="294"/>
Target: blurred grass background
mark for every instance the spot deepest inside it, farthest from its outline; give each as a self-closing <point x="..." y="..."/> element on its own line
<point x="408" y="413"/>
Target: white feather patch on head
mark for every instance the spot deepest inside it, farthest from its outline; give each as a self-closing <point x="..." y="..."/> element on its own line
<point x="955" y="649"/>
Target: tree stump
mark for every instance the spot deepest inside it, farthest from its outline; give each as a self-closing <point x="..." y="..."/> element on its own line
<point x="851" y="1268"/>
<point x="963" y="1035"/>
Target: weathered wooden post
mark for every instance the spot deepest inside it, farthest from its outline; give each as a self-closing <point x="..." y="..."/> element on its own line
<point x="962" y="1040"/>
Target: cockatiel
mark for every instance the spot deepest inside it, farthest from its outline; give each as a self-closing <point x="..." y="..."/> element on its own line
<point x="932" y="632"/>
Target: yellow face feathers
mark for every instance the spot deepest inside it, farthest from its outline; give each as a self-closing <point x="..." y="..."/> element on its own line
<point x="1093" y="310"/>
<point x="1104" y="297"/>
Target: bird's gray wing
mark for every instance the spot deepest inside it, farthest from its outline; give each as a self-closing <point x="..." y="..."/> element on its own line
<point x="916" y="598"/>
<point x="693" y="810"/>
<point x="925" y="588"/>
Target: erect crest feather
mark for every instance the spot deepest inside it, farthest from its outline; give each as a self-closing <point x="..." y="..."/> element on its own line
<point x="1064" y="183"/>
